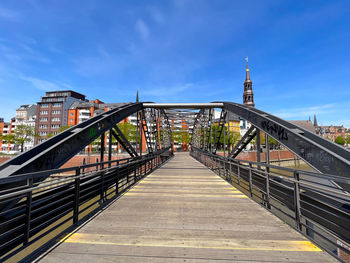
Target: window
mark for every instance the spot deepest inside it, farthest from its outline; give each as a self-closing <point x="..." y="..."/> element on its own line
<point x="56" y="112"/>
<point x="43" y="126"/>
<point x="55" y="119"/>
<point x="44" y="105"/>
<point x="55" y="126"/>
<point x="71" y="114"/>
<point x="71" y="120"/>
<point x="42" y="133"/>
<point x="43" y="119"/>
<point x="57" y="104"/>
<point x="44" y="112"/>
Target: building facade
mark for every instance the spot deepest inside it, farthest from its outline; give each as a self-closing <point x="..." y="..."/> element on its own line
<point x="26" y="115"/>
<point x="52" y="112"/>
<point x="248" y="95"/>
<point x="7" y="128"/>
<point x="331" y="132"/>
<point x="248" y="99"/>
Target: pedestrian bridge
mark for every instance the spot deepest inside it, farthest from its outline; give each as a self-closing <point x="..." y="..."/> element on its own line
<point x="183" y="212"/>
<point x="205" y="205"/>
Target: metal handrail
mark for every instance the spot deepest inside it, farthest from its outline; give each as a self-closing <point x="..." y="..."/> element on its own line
<point x="29" y="214"/>
<point x="308" y="200"/>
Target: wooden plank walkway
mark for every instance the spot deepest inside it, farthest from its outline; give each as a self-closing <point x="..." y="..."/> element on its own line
<point x="183" y="212"/>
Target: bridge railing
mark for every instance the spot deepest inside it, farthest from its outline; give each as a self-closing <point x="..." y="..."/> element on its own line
<point x="34" y="212"/>
<point x="317" y="205"/>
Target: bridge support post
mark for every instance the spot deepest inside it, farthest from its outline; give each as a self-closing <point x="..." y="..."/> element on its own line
<point x="238" y="173"/>
<point x="76" y="196"/>
<point x="267" y="153"/>
<point x="224" y="136"/>
<point x="117" y="180"/>
<point x="297" y="201"/>
<point x="267" y="170"/>
<point x="102" y="195"/>
<point x="135" y="172"/>
<point x="258" y="147"/>
<point x="250" y="180"/>
<point x="102" y="149"/>
<point x="110" y="148"/>
<point x="267" y="189"/>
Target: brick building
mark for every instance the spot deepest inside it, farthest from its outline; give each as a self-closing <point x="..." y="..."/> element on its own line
<point x="5" y="129"/>
<point x="331" y="132"/>
<point x="26" y="115"/>
<point x="52" y="112"/>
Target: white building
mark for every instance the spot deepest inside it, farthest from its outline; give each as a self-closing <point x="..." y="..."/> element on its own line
<point x="26" y="115"/>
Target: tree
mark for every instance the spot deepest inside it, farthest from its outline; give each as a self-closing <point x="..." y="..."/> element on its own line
<point x="61" y="129"/>
<point x="347" y="139"/>
<point x="23" y="133"/>
<point x="340" y="140"/>
<point x="9" y="138"/>
<point x="128" y="130"/>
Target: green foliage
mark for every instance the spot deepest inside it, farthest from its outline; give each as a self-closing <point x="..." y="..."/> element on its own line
<point x="128" y="130"/>
<point x="9" y="138"/>
<point x="340" y="140"/>
<point x="347" y="139"/>
<point x="231" y="138"/>
<point x="21" y="134"/>
<point x="61" y="129"/>
<point x="181" y="136"/>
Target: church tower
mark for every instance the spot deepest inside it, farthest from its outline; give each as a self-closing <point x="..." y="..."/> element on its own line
<point x="248" y="95"/>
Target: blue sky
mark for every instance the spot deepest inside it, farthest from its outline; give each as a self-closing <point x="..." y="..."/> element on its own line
<point x="180" y="51"/>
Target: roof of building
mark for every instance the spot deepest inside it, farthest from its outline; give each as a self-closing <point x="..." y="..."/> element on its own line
<point x="60" y="93"/>
<point x="88" y="104"/>
<point x="26" y="106"/>
<point x="307" y="125"/>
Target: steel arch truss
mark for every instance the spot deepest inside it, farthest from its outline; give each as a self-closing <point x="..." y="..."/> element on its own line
<point x="323" y="155"/>
<point x="56" y="151"/>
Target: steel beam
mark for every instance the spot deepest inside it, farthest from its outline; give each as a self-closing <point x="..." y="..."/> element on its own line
<point x="59" y="149"/>
<point x="323" y="155"/>
<point x="183" y="105"/>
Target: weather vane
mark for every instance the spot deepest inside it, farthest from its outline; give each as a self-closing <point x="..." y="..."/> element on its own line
<point x="246" y="59"/>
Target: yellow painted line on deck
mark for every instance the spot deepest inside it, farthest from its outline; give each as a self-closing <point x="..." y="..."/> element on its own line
<point x="181" y="191"/>
<point x="216" y="183"/>
<point x="185" y="195"/>
<point x="156" y="241"/>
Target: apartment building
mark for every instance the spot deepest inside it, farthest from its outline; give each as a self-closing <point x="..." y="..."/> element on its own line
<point x="81" y="111"/>
<point x="5" y="129"/>
<point x="26" y="115"/>
<point x="52" y="112"/>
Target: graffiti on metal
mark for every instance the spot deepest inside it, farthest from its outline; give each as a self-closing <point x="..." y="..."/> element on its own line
<point x="275" y="130"/>
<point x="92" y="132"/>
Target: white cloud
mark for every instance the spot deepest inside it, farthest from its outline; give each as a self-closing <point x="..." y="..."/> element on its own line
<point x="101" y="64"/>
<point x="303" y="113"/>
<point x="42" y="84"/>
<point x="142" y="29"/>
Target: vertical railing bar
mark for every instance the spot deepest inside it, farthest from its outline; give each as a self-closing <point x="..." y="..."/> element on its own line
<point x="28" y="211"/>
<point x="250" y="180"/>
<point x="238" y="173"/>
<point x="297" y="201"/>
<point x="76" y="196"/>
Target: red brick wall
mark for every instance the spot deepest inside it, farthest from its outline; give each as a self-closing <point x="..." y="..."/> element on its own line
<point x="251" y="156"/>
